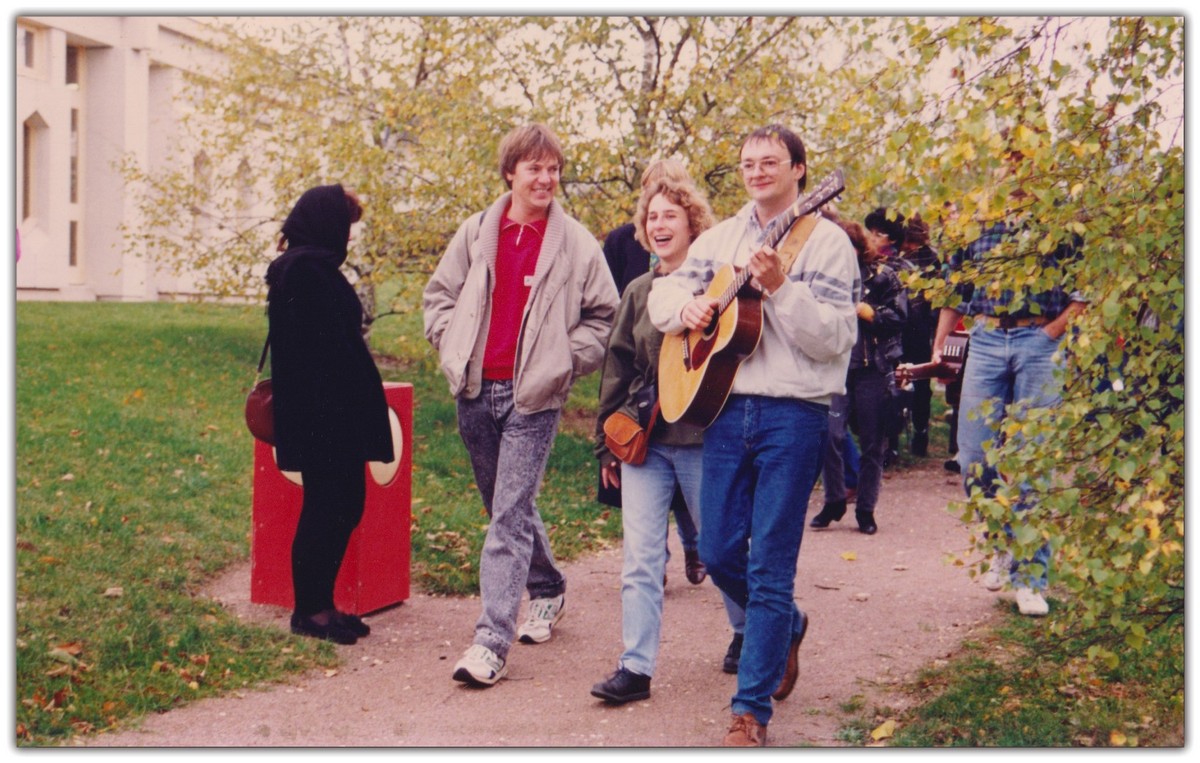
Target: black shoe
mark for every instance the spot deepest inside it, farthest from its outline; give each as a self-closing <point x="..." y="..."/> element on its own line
<point x="352" y="623"/>
<point x="920" y="444"/>
<point x="331" y="631"/>
<point x="830" y="512"/>
<point x="951" y="465"/>
<point x="621" y="687"/>
<point x="733" y="655"/>
<point x="866" y="522"/>
<point x="693" y="568"/>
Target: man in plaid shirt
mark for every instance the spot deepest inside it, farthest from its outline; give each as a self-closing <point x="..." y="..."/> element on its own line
<point x="1011" y="366"/>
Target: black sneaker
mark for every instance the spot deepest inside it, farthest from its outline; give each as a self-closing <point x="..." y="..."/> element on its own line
<point x="621" y="687"/>
<point x="733" y="655"/>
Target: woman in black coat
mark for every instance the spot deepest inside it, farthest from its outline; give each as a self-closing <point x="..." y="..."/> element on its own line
<point x="330" y="413"/>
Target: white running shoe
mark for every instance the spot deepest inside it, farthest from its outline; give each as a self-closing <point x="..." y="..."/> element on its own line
<point x="479" y="666"/>
<point x="1031" y="602"/>
<point x="544" y="614"/>
<point x="998" y="572"/>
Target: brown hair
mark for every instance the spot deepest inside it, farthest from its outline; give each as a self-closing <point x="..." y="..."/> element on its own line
<point x="531" y="141"/>
<point x="858" y="239"/>
<point x="664" y="169"/>
<point x="686" y="195"/>
<point x="354" y="205"/>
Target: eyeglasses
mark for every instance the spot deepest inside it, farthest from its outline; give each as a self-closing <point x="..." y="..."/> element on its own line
<point x="769" y="165"/>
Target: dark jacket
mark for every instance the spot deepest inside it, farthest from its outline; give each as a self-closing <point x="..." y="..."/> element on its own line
<point x="627" y="259"/>
<point x="328" y="395"/>
<point x="878" y="344"/>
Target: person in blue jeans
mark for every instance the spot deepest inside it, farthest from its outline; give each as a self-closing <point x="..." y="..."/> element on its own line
<point x="519" y="307"/>
<point x="627" y="260"/>
<point x="1011" y="369"/>
<point x="763" y="452"/>
<point x="670" y="214"/>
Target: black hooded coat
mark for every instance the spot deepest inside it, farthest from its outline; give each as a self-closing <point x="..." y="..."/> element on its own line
<point x="328" y="395"/>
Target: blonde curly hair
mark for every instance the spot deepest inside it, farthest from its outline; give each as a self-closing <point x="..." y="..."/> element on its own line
<point x="686" y="195"/>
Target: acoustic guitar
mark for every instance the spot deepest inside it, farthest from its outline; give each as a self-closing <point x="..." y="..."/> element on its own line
<point x="696" y="368"/>
<point x="954" y="357"/>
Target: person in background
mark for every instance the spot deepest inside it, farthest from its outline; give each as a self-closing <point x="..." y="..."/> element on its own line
<point x="885" y="238"/>
<point x="627" y="260"/>
<point x="1011" y="369"/>
<point x="920" y="327"/>
<point x="870" y="382"/>
<point x="763" y="452"/>
<point x="331" y="417"/>
<point x="519" y="307"/>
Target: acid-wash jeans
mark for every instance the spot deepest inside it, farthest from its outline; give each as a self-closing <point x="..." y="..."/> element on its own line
<point x="1005" y="368"/>
<point x="762" y="457"/>
<point x="508" y="452"/>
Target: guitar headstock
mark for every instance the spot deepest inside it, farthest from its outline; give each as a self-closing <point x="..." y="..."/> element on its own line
<point x="824" y="192"/>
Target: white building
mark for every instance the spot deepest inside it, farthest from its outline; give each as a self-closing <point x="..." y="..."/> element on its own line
<point x="92" y="91"/>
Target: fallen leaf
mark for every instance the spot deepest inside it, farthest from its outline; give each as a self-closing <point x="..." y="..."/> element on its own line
<point x="862" y="596"/>
<point x="115" y="592"/>
<point x="331" y="673"/>
<point x="849" y="556"/>
<point x="1116" y="739"/>
<point x="900" y="567"/>
<point x="68" y="477"/>
<point x="884" y="730"/>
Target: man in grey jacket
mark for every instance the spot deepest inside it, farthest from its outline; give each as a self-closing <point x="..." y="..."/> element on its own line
<point x="520" y="306"/>
<point x="764" y="450"/>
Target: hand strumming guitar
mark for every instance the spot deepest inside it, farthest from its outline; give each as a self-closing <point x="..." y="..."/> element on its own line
<point x="698" y="314"/>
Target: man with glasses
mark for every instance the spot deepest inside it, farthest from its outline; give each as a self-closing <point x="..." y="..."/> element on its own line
<point x="764" y="451"/>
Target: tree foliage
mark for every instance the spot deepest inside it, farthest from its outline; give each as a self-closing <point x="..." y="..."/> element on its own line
<point x="1082" y="116"/>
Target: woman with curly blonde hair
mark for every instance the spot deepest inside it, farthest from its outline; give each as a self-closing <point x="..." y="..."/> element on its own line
<point x="670" y="214"/>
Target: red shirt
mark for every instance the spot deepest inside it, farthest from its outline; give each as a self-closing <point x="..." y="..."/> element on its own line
<point x="516" y="259"/>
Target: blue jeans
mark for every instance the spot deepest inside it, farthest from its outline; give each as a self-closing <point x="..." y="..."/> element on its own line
<point x="508" y="453"/>
<point x="762" y="457"/>
<point x="1008" y="372"/>
<point x="646" y="494"/>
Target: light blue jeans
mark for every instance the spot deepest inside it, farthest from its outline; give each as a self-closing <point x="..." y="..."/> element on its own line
<point x="508" y="453"/>
<point x="646" y="495"/>
<point x="1008" y="372"/>
<point x="762" y="457"/>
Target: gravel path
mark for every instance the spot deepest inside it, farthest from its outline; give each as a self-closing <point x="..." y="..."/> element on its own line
<point x="881" y="608"/>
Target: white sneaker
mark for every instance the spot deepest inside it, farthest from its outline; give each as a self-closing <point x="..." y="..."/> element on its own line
<point x="479" y="666"/>
<point x="998" y="571"/>
<point x="1030" y="602"/>
<point x="544" y="614"/>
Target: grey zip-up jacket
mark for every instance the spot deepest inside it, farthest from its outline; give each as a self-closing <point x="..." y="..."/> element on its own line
<point x="565" y="324"/>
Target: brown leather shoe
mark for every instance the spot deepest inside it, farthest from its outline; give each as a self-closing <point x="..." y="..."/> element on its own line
<point x="792" y="670"/>
<point x="746" y="731"/>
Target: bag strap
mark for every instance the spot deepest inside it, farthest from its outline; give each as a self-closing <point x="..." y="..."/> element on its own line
<point x="262" y="359"/>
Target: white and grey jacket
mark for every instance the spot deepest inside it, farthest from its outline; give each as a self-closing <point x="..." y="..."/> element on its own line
<point x="565" y="324"/>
